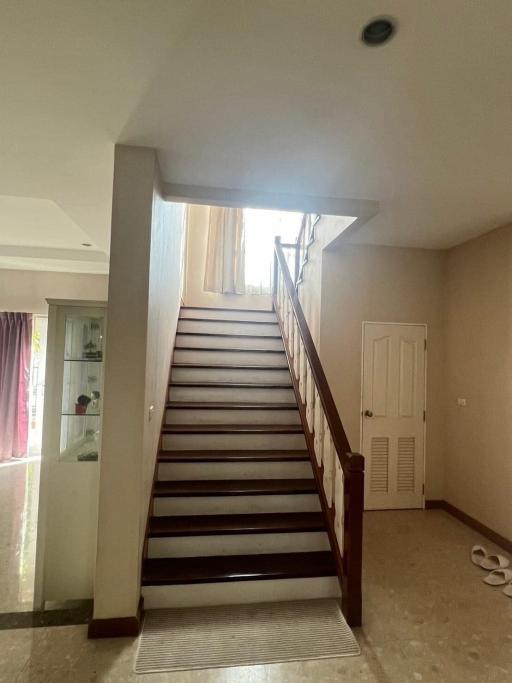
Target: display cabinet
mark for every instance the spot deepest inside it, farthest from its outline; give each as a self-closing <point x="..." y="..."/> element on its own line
<point x="82" y="385"/>
<point x="68" y="501"/>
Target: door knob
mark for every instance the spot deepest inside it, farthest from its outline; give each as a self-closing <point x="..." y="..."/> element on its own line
<point x="368" y="413"/>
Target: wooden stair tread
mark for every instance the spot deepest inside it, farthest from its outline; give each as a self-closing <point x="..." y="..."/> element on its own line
<point x="232" y="429"/>
<point x="260" y="523"/>
<point x="233" y="487"/>
<point x="229" y="334"/>
<point x="189" y="570"/>
<point x="226" y="349"/>
<point x="236" y="321"/>
<point x="230" y="366"/>
<point x="233" y="456"/>
<point x="220" y="308"/>
<point x="219" y="405"/>
<point x="233" y="385"/>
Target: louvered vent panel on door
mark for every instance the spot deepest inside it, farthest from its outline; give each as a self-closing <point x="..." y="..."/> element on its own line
<point x="406" y="463"/>
<point x="379" y="464"/>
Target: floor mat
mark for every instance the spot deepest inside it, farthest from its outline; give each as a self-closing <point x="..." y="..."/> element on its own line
<point x="238" y="635"/>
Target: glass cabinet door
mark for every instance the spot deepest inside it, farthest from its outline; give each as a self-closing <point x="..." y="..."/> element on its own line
<point x="82" y="389"/>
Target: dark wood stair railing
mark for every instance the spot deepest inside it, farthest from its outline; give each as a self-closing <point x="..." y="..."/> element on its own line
<point x="339" y="473"/>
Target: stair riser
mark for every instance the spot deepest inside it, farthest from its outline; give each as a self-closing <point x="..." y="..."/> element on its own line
<point x="239" y="544"/>
<point x="191" y="313"/>
<point x="224" y="331"/>
<point x="225" y="505"/>
<point x="234" y="470"/>
<point x="203" y="442"/>
<point x="242" y="417"/>
<point x="207" y="357"/>
<point x="213" y="327"/>
<point x="240" y="592"/>
<point x="227" y="394"/>
<point x="231" y="375"/>
<point x="228" y="342"/>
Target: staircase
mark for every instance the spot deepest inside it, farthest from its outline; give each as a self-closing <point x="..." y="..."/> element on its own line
<point x="235" y="514"/>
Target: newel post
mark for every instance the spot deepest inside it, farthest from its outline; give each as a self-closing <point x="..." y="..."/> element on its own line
<point x="353" y="540"/>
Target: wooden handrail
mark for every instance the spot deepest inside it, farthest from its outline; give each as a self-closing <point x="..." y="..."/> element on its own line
<point x="343" y="509"/>
<point x="348" y="459"/>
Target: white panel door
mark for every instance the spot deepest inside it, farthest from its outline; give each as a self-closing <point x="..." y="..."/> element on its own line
<point x="393" y="405"/>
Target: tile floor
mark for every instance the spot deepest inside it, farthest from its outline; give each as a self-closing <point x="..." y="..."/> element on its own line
<point x="19" y="493"/>
<point x="427" y="615"/>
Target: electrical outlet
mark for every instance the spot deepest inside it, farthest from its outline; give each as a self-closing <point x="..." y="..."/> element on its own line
<point x="461" y="402"/>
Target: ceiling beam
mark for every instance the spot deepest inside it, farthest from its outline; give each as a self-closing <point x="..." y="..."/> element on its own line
<point x="362" y="209"/>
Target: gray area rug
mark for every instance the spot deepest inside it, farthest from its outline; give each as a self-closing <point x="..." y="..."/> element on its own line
<point x="243" y="635"/>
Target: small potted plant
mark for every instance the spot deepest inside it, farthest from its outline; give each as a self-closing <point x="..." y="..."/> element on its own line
<point x="81" y="404"/>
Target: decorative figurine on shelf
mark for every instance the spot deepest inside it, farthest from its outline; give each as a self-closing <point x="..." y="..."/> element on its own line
<point x="81" y="404"/>
<point x="92" y="350"/>
<point x="90" y="456"/>
<point x="90" y="452"/>
<point x="96" y="401"/>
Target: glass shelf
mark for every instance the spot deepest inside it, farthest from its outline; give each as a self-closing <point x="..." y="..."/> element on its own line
<point x="80" y="414"/>
<point x="79" y="438"/>
<point x="84" y="335"/>
<point x="83" y="360"/>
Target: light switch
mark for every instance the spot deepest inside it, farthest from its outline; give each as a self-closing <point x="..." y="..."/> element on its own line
<point x="150" y="412"/>
<point x="461" y="402"/>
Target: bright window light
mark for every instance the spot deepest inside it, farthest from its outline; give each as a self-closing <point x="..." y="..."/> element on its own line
<point x="261" y="227"/>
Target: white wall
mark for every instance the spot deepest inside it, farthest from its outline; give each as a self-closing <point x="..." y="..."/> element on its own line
<point x="143" y="305"/>
<point x="27" y="290"/>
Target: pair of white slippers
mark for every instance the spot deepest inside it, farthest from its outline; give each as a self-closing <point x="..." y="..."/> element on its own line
<point x="497" y="565"/>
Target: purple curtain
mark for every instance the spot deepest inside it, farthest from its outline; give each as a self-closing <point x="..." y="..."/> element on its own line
<point x="15" y="349"/>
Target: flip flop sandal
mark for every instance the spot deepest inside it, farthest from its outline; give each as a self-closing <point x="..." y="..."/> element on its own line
<point x="508" y="590"/>
<point x="478" y="555"/>
<point x="492" y="562"/>
<point x="499" y="577"/>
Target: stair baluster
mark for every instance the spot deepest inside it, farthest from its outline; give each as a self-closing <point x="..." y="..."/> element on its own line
<point x="339" y="472"/>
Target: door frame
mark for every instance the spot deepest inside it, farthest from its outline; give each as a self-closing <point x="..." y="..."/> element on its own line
<point x="361" y="421"/>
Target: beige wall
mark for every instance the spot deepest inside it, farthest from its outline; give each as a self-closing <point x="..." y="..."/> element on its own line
<point x="382" y="284"/>
<point x="464" y="296"/>
<point x="27" y="290"/>
<point x="327" y="229"/>
<point x="163" y="310"/>
<point x="143" y="304"/>
<point x="197" y="241"/>
<point x="478" y="476"/>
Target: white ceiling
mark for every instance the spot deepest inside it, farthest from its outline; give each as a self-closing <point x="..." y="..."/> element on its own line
<point x="37" y="235"/>
<point x="277" y="96"/>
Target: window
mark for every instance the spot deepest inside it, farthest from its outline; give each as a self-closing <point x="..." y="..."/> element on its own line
<point x="261" y="227"/>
